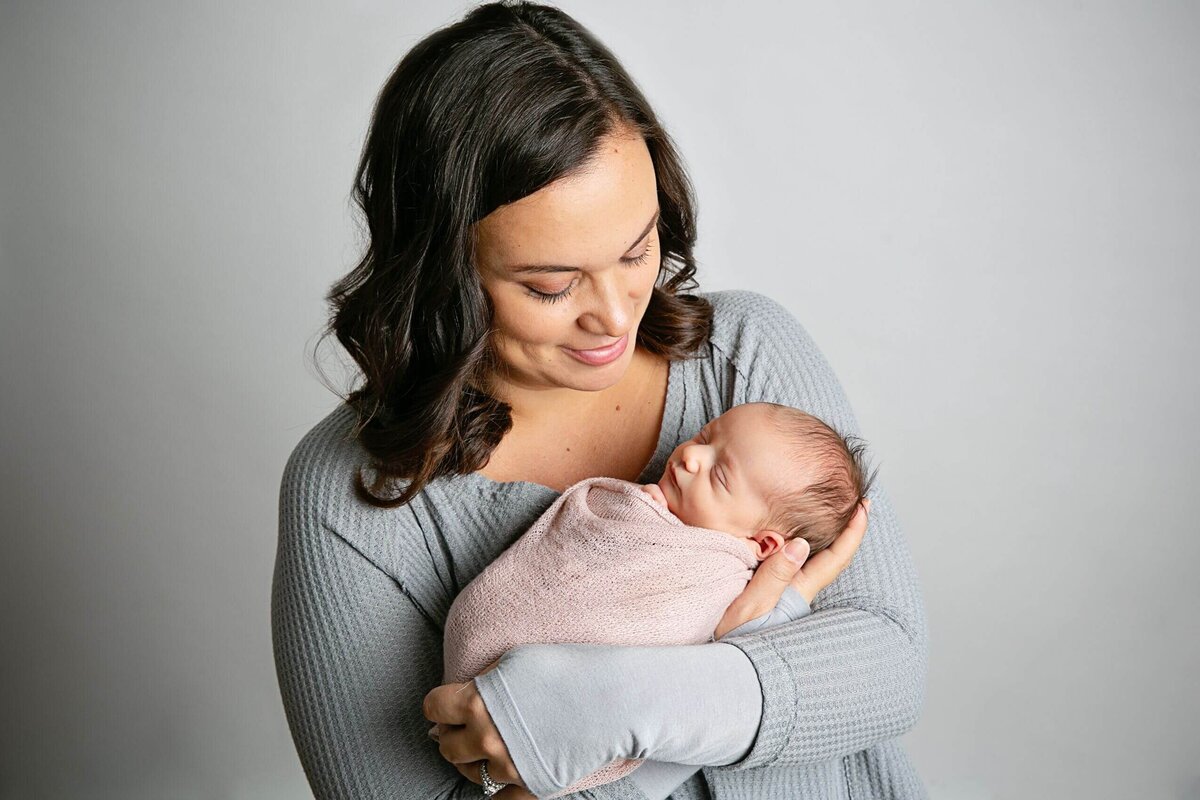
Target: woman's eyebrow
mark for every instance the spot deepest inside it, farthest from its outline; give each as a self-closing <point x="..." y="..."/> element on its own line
<point x="545" y="268"/>
<point x="645" y="230"/>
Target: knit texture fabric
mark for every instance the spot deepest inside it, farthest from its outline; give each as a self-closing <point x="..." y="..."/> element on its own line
<point x="361" y="594"/>
<point x="634" y="572"/>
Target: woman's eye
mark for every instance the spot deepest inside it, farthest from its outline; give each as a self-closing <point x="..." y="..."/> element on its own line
<point x="551" y="297"/>
<point x="554" y="297"/>
<point x="643" y="258"/>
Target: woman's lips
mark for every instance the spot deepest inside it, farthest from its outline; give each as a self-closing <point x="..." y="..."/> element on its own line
<point x="600" y="355"/>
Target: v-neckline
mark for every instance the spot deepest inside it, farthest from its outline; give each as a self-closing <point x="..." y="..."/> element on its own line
<point x="668" y="431"/>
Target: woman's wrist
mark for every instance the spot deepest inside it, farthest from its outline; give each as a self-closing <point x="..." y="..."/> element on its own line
<point x="791" y="607"/>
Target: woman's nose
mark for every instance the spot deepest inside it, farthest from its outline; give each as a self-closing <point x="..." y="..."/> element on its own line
<point x="612" y="306"/>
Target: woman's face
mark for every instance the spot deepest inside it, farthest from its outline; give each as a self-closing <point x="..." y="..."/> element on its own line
<point x="571" y="268"/>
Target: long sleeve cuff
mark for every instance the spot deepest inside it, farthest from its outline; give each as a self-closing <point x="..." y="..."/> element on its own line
<point x="565" y="710"/>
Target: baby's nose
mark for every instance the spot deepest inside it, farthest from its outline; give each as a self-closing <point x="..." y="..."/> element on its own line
<point x="691" y="457"/>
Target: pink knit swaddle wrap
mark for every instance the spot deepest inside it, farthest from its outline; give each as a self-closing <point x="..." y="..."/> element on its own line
<point x="605" y="564"/>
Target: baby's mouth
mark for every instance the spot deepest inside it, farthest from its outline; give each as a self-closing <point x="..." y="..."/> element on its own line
<point x="669" y="477"/>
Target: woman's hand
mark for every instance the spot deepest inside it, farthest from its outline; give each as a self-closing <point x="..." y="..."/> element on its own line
<point x="466" y="736"/>
<point x="808" y="577"/>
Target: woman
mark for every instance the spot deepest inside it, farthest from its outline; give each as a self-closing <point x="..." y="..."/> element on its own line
<point x="520" y="322"/>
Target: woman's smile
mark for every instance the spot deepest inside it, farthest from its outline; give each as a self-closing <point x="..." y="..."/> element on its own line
<point x="601" y="355"/>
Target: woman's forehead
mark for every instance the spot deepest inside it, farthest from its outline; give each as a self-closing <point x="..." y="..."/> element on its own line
<point x="589" y="215"/>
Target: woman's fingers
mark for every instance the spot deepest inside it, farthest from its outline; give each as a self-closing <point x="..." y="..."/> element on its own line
<point x="465" y="752"/>
<point x="511" y="792"/>
<point x="467" y="733"/>
<point x="435" y="732"/>
<point x="442" y="704"/>
<point x="823" y="568"/>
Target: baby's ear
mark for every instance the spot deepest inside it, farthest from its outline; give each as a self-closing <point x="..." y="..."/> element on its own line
<point x="769" y="543"/>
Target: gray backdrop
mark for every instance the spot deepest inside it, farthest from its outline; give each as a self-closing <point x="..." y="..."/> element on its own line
<point x="985" y="213"/>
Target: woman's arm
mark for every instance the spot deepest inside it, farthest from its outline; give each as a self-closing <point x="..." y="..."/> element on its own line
<point x="351" y="654"/>
<point x="354" y="658"/>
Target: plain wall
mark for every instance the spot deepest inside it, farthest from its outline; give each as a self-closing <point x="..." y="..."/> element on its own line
<point x="987" y="215"/>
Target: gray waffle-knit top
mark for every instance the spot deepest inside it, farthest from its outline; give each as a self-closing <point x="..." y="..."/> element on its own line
<point x="360" y="596"/>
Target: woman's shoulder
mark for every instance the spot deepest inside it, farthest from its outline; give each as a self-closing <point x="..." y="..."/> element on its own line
<point x="749" y="326"/>
<point x="322" y="463"/>
<point x="771" y="357"/>
<point x="317" y="498"/>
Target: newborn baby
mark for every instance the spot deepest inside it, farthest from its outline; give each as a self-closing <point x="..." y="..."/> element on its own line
<point x="613" y="562"/>
<point x="765" y="473"/>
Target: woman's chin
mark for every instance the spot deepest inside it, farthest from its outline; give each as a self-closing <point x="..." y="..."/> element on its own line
<point x="593" y="379"/>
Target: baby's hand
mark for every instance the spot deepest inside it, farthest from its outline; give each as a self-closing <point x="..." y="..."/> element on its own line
<point x="655" y="493"/>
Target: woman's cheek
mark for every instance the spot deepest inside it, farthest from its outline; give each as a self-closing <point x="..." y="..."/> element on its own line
<point x="531" y="325"/>
<point x="651" y="279"/>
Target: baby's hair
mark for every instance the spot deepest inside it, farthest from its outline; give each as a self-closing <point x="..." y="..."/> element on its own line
<point x="834" y="479"/>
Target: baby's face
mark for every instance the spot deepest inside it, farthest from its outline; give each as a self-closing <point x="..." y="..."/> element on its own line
<point x="719" y="479"/>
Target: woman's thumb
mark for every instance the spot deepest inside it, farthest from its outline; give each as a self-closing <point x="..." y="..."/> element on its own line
<point x="796" y="550"/>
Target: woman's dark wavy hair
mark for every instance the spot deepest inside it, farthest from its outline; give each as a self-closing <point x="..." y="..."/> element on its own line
<point x="477" y="115"/>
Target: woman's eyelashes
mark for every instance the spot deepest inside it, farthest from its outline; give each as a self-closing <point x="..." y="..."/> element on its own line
<point x="551" y="297"/>
<point x="643" y="258"/>
<point x="554" y="297"/>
